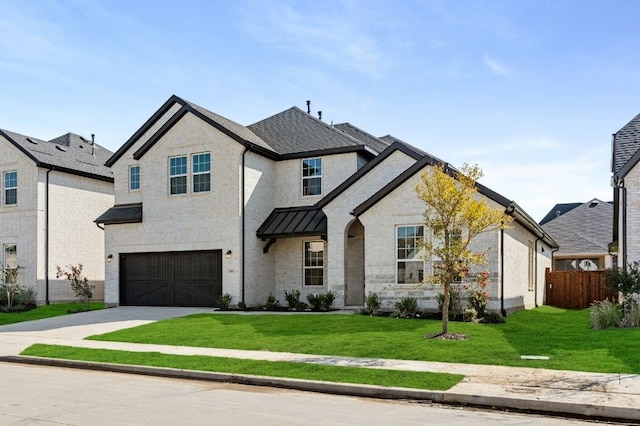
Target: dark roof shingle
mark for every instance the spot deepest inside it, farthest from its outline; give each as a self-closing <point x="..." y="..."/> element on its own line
<point x="70" y="153"/>
<point x="626" y="143"/>
<point x="294" y="131"/>
<point x="584" y="229"/>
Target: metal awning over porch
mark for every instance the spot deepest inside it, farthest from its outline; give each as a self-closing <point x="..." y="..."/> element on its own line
<point x="294" y="222"/>
<point x="121" y="213"/>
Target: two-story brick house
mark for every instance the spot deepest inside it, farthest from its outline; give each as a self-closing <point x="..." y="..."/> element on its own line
<point x="50" y="192"/>
<point x="625" y="156"/>
<point x="206" y="206"/>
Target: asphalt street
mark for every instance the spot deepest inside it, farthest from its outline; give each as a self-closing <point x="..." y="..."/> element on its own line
<point x="43" y="396"/>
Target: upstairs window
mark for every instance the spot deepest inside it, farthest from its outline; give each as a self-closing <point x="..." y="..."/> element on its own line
<point x="134" y="178"/>
<point x="10" y="188"/>
<point x="178" y="175"/>
<point x="312" y="176"/>
<point x="201" y="172"/>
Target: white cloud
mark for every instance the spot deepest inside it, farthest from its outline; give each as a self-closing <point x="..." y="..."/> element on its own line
<point x="496" y="66"/>
<point x="349" y="37"/>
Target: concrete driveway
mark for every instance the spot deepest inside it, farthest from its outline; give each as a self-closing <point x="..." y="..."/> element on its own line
<point x="16" y="337"/>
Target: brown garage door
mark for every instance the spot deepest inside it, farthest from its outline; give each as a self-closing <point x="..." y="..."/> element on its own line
<point x="191" y="278"/>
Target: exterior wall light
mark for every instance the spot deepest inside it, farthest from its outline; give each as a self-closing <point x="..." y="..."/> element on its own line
<point x="229" y="254"/>
<point x="109" y="258"/>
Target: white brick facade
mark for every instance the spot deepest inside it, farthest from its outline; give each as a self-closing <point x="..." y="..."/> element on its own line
<point x="359" y="252"/>
<point x="74" y="202"/>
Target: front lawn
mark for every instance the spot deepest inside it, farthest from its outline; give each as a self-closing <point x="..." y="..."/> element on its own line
<point x="295" y="370"/>
<point x="563" y="335"/>
<point x="47" y="311"/>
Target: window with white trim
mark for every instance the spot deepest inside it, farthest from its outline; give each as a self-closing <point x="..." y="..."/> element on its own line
<point x="10" y="188"/>
<point x="201" y="170"/>
<point x="313" y="262"/>
<point x="178" y="175"/>
<point x="409" y="254"/>
<point x="10" y="260"/>
<point x="312" y="176"/>
<point x="134" y="178"/>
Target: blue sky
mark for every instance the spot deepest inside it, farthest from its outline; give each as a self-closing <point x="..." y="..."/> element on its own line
<point x="529" y="90"/>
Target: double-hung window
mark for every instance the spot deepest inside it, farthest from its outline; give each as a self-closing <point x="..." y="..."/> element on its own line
<point x="10" y="188"/>
<point x="409" y="254"/>
<point x="134" y="178"/>
<point x="178" y="175"/>
<point x="10" y="262"/>
<point x="313" y="262"/>
<point x="201" y="172"/>
<point x="312" y="176"/>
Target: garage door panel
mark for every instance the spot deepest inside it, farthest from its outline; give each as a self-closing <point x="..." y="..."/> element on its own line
<point x="195" y="293"/>
<point x="152" y="292"/>
<point x="171" y="279"/>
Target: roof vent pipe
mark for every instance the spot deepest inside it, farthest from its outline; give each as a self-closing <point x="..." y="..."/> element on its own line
<point x="93" y="142"/>
<point x="308" y="107"/>
<point x="319" y="115"/>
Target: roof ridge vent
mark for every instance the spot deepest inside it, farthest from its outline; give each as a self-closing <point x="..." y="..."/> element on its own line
<point x="32" y="141"/>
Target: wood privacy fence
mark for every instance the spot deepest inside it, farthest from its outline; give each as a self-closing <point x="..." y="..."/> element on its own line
<point x="575" y="289"/>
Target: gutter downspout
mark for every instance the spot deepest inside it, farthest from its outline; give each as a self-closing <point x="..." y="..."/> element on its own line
<point x="624" y="225"/>
<point x="242" y="250"/>
<point x="509" y="210"/>
<point x="535" y="271"/>
<point x="503" y="312"/>
<point x="46" y="236"/>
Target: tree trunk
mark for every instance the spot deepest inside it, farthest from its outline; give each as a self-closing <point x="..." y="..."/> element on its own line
<point x="445" y="309"/>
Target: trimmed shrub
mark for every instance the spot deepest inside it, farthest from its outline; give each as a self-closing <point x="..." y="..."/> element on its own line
<point x="292" y="298"/>
<point x="272" y="303"/>
<point x="372" y="303"/>
<point x="224" y="302"/>
<point x="406" y="308"/>
<point x="326" y="301"/>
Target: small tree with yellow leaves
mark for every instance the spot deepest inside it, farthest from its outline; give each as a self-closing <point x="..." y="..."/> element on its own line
<point x="456" y="214"/>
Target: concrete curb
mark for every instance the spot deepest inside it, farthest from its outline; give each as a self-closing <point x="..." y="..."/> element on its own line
<point x="562" y="409"/>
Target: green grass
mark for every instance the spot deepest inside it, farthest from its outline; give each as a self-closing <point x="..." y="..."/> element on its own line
<point x="563" y="335"/>
<point x="387" y="378"/>
<point x="47" y="311"/>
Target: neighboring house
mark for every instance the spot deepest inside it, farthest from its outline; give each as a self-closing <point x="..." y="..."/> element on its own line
<point x="625" y="155"/>
<point x="583" y="231"/>
<point x="206" y="206"/>
<point x="50" y="193"/>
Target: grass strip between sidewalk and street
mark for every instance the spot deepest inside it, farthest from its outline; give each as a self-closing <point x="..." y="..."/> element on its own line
<point x="282" y="369"/>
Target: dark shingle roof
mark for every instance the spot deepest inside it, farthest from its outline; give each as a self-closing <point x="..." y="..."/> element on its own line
<point x="377" y="144"/>
<point x="558" y="210"/>
<point x="232" y="126"/>
<point x="511" y="207"/>
<point x="294" y="131"/>
<point x="70" y="153"/>
<point x="626" y="143"/>
<point x="391" y="139"/>
<point x="584" y="229"/>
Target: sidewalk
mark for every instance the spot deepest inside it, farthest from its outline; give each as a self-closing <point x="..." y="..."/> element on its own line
<point x="592" y="395"/>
